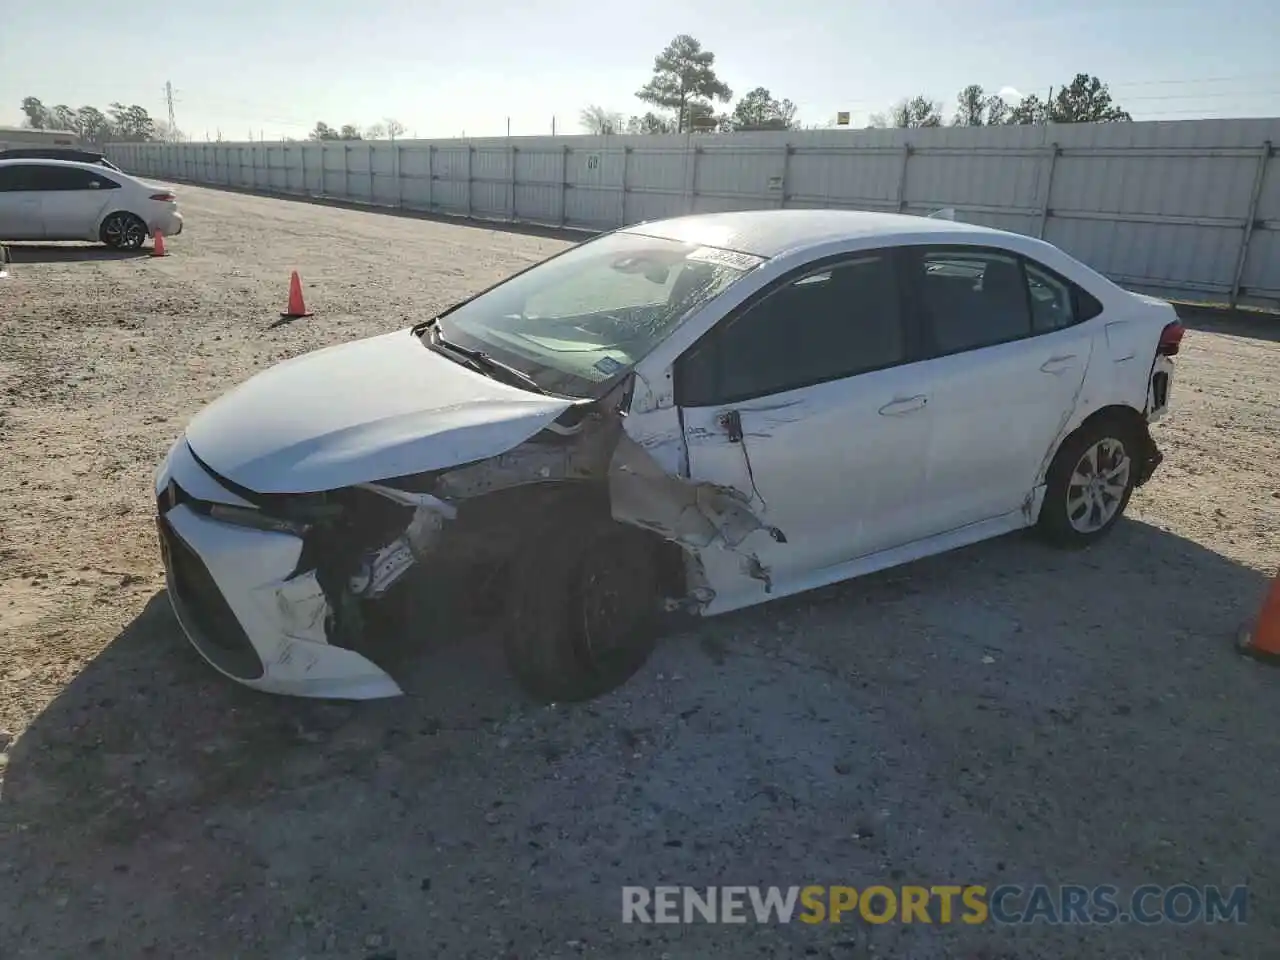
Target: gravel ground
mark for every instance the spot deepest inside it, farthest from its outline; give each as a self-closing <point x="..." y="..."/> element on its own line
<point x="1002" y="714"/>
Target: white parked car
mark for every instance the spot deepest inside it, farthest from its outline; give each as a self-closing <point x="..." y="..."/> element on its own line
<point x="695" y="414"/>
<point x="66" y="200"/>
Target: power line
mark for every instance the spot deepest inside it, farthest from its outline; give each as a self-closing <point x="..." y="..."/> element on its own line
<point x="1158" y="83"/>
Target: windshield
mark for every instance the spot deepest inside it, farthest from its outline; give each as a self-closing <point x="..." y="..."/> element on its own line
<point x="582" y="318"/>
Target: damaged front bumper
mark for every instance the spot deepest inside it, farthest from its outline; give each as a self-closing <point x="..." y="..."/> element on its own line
<point x="242" y="601"/>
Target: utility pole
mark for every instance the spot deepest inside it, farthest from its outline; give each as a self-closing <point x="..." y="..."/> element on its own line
<point x="553" y="126"/>
<point x="168" y="99"/>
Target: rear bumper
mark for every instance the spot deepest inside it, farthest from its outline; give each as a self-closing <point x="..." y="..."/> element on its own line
<point x="1159" y="387"/>
<point x="1150" y="458"/>
<point x="170" y="225"/>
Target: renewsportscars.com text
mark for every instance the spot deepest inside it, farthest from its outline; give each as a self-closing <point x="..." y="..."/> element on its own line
<point x="938" y="904"/>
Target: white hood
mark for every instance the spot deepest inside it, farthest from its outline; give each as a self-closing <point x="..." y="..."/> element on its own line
<point x="382" y="407"/>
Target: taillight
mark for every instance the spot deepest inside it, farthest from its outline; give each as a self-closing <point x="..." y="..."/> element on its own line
<point x="1171" y="339"/>
<point x="164" y="197"/>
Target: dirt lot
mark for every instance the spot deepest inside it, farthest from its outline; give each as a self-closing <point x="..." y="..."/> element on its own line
<point x="1004" y="714"/>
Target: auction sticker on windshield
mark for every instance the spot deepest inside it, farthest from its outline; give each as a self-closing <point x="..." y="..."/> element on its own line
<point x="725" y="258"/>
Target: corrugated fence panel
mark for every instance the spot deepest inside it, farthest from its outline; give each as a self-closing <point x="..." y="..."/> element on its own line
<point x="539" y="182"/>
<point x="1187" y="208"/>
<point x="450" y="189"/>
<point x="870" y="180"/>
<point x="1260" y="272"/>
<point x="593" y="180"/>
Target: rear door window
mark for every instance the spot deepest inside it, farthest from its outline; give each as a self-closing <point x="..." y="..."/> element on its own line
<point x="55" y="178"/>
<point x="970" y="298"/>
<point x="18" y="177"/>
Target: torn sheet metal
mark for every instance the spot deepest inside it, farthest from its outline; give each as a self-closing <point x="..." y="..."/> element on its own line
<point x="379" y="572"/>
<point x="584" y="456"/>
<point x="410" y="498"/>
<point x="697" y="515"/>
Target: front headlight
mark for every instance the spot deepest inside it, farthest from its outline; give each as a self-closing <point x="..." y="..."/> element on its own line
<point x="249" y="517"/>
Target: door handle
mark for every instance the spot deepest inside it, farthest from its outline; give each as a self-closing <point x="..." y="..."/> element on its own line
<point x="1058" y="364"/>
<point x="896" y="408"/>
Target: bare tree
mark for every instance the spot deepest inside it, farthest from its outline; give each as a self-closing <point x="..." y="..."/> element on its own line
<point x="376" y="131"/>
<point x="651" y="123"/>
<point x="164" y="132"/>
<point x="597" y="120"/>
<point x="394" y="127"/>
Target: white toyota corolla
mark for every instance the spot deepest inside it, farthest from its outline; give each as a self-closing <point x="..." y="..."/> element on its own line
<point x="70" y="200"/>
<point x="693" y="415"/>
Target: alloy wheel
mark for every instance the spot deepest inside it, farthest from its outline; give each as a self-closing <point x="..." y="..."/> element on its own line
<point x="1097" y="485"/>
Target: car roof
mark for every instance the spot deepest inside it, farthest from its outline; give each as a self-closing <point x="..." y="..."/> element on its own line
<point x="770" y="233"/>
<point x="54" y="149"/>
<point x="80" y="164"/>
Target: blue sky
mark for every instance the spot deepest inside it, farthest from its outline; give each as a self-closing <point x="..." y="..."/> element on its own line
<point x="442" y="68"/>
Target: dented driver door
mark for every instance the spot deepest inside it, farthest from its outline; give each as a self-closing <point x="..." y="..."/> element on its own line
<point x="807" y="403"/>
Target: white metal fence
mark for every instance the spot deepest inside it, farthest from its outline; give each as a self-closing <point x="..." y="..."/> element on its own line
<point x="1186" y="209"/>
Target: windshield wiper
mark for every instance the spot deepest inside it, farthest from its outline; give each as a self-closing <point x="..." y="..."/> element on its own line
<point x="482" y="362"/>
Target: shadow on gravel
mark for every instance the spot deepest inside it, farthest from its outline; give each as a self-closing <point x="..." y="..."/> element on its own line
<point x="1112" y="735"/>
<point x="1254" y="324"/>
<point x="21" y="253"/>
<point x="505" y="226"/>
<point x="148" y="703"/>
<point x="148" y="728"/>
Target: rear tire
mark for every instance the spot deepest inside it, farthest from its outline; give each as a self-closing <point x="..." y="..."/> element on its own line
<point x="1090" y="482"/>
<point x="123" y="231"/>
<point x="584" y="610"/>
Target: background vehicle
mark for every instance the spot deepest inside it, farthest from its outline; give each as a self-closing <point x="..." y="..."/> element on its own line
<point x="702" y="413"/>
<point x="58" y="153"/>
<point x="65" y="200"/>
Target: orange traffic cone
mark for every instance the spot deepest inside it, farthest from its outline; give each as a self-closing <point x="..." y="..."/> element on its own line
<point x="296" y="307"/>
<point x="157" y="245"/>
<point x="1261" y="639"/>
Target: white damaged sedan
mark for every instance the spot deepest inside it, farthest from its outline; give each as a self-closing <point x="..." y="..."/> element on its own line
<point x="692" y="415"/>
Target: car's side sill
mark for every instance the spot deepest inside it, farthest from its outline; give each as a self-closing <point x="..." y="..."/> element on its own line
<point x="917" y="550"/>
